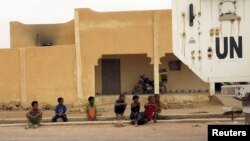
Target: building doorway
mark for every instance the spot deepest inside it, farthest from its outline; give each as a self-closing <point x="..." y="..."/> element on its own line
<point x="218" y="87"/>
<point x="111" y="76"/>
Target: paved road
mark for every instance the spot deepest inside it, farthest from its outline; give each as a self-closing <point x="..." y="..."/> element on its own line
<point x="149" y="132"/>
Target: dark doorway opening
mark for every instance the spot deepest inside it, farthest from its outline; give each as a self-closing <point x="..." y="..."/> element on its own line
<point x="218" y="87"/>
<point x="111" y="77"/>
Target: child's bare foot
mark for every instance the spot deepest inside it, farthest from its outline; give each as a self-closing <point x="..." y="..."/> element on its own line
<point x="35" y="126"/>
<point x="27" y="127"/>
<point x="122" y="117"/>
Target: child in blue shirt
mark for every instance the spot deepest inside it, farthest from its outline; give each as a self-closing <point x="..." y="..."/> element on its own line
<point x="60" y="111"/>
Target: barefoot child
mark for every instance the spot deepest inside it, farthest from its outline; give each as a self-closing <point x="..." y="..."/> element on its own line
<point x="120" y="105"/>
<point x="34" y="116"/>
<point x="60" y="111"/>
<point x="91" y="109"/>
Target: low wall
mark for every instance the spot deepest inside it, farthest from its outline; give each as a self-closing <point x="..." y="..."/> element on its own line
<point x="168" y="99"/>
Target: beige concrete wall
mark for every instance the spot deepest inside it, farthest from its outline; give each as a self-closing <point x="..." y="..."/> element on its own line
<point x="50" y="73"/>
<point x="41" y="74"/>
<point x="25" y="35"/>
<point x="124" y="32"/>
<point x="184" y="79"/>
<point x="132" y="66"/>
<point x="9" y="75"/>
<point x="112" y="33"/>
<point x="165" y="32"/>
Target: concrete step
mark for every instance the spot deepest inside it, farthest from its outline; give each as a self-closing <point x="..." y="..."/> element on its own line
<point x="112" y="118"/>
<point x="215" y="120"/>
<point x="228" y="101"/>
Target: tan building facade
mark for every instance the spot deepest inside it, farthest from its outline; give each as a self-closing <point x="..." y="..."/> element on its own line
<point x="94" y="54"/>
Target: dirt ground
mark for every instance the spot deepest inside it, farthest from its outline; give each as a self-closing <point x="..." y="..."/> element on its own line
<point x="149" y="132"/>
<point x="109" y="112"/>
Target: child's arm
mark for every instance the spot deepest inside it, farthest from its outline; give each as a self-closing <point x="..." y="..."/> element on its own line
<point x="39" y="114"/>
<point x="65" y="110"/>
<point x="120" y="104"/>
<point x="117" y="104"/>
<point x="28" y="114"/>
<point x="56" y="110"/>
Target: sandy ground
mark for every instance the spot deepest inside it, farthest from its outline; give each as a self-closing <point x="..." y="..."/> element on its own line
<point x="149" y="132"/>
<point x="109" y="112"/>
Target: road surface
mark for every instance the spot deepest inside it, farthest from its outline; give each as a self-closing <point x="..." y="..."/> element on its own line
<point x="149" y="132"/>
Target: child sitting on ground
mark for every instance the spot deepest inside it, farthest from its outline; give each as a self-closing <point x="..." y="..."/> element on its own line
<point x="158" y="105"/>
<point x="120" y="105"/>
<point x="91" y="109"/>
<point x="135" y="110"/>
<point x="148" y="114"/>
<point x="150" y="109"/>
<point x="60" y="111"/>
<point x="34" y="116"/>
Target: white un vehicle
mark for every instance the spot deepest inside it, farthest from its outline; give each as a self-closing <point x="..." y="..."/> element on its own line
<point x="212" y="37"/>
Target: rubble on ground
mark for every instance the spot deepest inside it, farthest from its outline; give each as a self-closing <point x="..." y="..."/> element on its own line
<point x="45" y="106"/>
<point x="11" y="106"/>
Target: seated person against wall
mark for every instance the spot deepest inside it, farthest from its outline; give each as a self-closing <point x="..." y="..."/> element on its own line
<point x="148" y="114"/>
<point x="135" y="109"/>
<point x="150" y="109"/>
<point x="120" y="106"/>
<point x="159" y="105"/>
<point x="34" y="116"/>
<point x="91" y="109"/>
<point x="60" y="111"/>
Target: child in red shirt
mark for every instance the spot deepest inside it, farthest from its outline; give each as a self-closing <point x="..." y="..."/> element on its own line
<point x="34" y="116"/>
<point x="148" y="114"/>
<point x="150" y="109"/>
